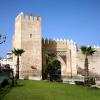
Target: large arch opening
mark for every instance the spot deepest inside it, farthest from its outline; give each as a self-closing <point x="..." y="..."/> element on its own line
<point x="54" y="67"/>
<point x="56" y="70"/>
<point x="52" y="71"/>
<point x="63" y="66"/>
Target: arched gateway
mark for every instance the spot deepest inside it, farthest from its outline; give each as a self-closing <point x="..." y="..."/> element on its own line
<point x="64" y="55"/>
<point x="63" y="66"/>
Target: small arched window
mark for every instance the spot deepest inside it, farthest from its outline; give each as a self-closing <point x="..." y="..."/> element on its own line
<point x="30" y="35"/>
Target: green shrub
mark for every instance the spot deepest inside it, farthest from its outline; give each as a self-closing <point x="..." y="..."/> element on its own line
<point x="79" y="83"/>
<point x="92" y="81"/>
<point x="4" y="83"/>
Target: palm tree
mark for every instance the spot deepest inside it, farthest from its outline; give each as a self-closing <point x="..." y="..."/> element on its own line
<point x="49" y="56"/>
<point x="17" y="52"/>
<point x="87" y="51"/>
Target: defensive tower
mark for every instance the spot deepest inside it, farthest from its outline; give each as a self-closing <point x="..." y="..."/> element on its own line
<point x="28" y="37"/>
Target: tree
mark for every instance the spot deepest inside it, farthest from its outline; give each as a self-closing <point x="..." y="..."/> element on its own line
<point x="2" y="39"/>
<point x="17" y="52"/>
<point x="87" y="51"/>
<point x="49" y="64"/>
<point x="49" y="56"/>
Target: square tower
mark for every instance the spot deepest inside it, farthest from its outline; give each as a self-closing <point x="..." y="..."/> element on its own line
<point x="28" y="37"/>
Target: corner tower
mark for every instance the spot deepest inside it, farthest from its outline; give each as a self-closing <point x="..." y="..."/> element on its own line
<point x="28" y="37"/>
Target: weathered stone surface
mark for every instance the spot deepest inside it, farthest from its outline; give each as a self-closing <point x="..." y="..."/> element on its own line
<point x="28" y="37"/>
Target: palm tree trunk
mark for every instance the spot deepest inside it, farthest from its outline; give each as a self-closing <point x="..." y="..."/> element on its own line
<point x="17" y="68"/>
<point x="86" y="77"/>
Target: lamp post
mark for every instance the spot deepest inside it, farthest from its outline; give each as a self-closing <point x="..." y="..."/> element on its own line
<point x="2" y="39"/>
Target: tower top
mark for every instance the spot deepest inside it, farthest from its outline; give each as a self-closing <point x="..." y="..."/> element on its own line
<point x="21" y="15"/>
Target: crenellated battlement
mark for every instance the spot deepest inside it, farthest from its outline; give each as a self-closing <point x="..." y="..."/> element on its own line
<point x="58" y="41"/>
<point x="96" y="47"/>
<point x="53" y="41"/>
<point x="30" y="18"/>
<point x="58" y="44"/>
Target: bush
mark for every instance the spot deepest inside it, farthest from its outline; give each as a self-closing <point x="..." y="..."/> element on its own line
<point x="88" y="83"/>
<point x="4" y="83"/>
<point x="79" y="83"/>
<point x="92" y="81"/>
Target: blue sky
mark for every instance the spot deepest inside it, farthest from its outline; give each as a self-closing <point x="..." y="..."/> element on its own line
<point x="70" y="19"/>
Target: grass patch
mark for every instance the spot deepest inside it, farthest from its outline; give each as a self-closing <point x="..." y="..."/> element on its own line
<point x="42" y="90"/>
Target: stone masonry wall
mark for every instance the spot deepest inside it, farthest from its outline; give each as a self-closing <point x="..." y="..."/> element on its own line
<point x="94" y="61"/>
<point x="29" y="30"/>
<point x="68" y="52"/>
<point x="28" y="37"/>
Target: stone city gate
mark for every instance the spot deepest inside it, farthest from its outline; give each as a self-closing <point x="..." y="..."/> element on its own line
<point x="65" y="52"/>
<point x="61" y="57"/>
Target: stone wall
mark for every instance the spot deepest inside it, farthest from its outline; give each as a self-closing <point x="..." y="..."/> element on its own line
<point x="28" y="37"/>
<point x="94" y="61"/>
<point x="66" y="50"/>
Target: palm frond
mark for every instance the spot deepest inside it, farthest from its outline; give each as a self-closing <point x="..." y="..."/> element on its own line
<point x="83" y="49"/>
<point x="87" y="50"/>
<point x="18" y="52"/>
